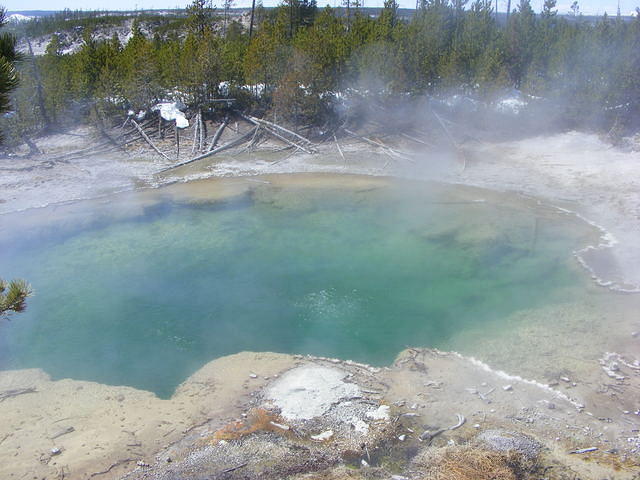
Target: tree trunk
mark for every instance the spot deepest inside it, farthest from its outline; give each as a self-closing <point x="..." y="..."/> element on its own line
<point x="194" y="143"/>
<point x="177" y="134"/>
<point x="202" y="129"/>
<point x="147" y="139"/>
<point x="253" y="10"/>
<point x="39" y="93"/>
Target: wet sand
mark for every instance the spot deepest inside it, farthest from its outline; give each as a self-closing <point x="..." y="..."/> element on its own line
<point x="80" y="430"/>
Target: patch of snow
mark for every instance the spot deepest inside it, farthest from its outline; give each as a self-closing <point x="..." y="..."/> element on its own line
<point x="17" y="18"/>
<point x="171" y="112"/>
<point x="307" y="392"/>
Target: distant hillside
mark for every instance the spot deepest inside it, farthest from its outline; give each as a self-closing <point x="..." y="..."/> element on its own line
<point x="69" y="25"/>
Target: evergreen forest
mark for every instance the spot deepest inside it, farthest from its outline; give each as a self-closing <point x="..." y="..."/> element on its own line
<point x="301" y="62"/>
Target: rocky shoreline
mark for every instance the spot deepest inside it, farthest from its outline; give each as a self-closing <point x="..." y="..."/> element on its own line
<point x="274" y="416"/>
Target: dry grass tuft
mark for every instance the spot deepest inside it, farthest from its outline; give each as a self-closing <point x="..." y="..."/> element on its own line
<point x="471" y="463"/>
<point x="258" y="420"/>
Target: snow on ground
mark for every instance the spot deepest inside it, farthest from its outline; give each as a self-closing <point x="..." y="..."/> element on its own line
<point x="30" y="183"/>
<point x="18" y="17"/>
<point x="171" y="112"/>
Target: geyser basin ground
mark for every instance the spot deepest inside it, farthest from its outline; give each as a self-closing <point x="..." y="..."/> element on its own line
<point x="144" y="289"/>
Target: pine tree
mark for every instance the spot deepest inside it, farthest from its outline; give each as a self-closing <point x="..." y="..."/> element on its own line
<point x="13" y="296"/>
<point x="8" y="58"/>
<point x="200" y="15"/>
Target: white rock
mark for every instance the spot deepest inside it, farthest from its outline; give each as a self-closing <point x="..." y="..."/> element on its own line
<point x="309" y="391"/>
<point x="402" y="437"/>
<point x="280" y="426"/>
<point x="321" y="437"/>
<point x="507" y="388"/>
<point x="360" y="426"/>
<point x="56" y="451"/>
<point x="381" y="413"/>
<point x="253" y="375"/>
<point x="364" y="463"/>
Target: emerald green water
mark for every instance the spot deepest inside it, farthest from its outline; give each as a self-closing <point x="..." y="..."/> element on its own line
<point x="146" y="299"/>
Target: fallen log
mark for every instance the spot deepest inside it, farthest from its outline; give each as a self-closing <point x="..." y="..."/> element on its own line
<point x="295" y="150"/>
<point x="226" y="146"/>
<point x="112" y="140"/>
<point x="251" y="142"/>
<point x="75" y="153"/>
<point x="15" y="392"/>
<point x="454" y="144"/>
<point x="202" y="131"/>
<point x="257" y="122"/>
<point x="284" y="139"/>
<point x="147" y="139"/>
<point x="275" y="125"/>
<point x="176" y="133"/>
<point x="95" y="150"/>
<point x="388" y="149"/>
<point x="218" y="133"/>
<point x="446" y="130"/>
<point x="62" y="432"/>
<point x="254" y="139"/>
<point x="339" y="149"/>
<point x="417" y="140"/>
<point x="233" y="469"/>
<point x="196" y="127"/>
<point x="134" y="130"/>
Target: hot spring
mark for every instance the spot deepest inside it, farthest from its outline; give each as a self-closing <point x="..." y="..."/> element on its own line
<point x="142" y="289"/>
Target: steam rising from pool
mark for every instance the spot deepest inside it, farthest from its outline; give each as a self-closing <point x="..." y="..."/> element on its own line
<point x="145" y="298"/>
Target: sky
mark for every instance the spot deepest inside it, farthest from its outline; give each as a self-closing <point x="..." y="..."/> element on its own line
<point x="588" y="7"/>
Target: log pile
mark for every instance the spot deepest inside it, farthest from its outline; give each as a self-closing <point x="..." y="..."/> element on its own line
<point x="239" y="132"/>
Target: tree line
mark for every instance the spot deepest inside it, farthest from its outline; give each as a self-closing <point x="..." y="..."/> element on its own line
<point x="298" y="60"/>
